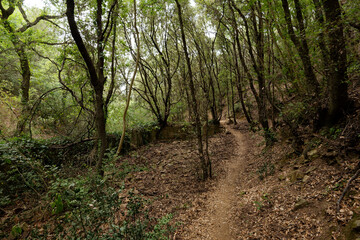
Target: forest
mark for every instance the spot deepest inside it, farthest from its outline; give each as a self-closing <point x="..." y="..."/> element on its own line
<point x="180" y="119"/>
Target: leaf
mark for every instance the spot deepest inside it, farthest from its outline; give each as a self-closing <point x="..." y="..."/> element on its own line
<point x="57" y="205"/>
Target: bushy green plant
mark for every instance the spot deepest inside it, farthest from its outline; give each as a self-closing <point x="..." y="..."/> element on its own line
<point x="91" y="208"/>
<point x="266" y="169"/>
<point x="20" y="170"/>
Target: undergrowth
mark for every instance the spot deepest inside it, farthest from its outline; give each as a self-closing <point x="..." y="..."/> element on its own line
<point x="75" y="206"/>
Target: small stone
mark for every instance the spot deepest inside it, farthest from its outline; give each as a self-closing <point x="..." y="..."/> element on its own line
<point x="295" y="167"/>
<point x="296" y="175"/>
<point x="311" y="169"/>
<point x="229" y="121"/>
<point x="282" y="177"/>
<point x="300" y="204"/>
<point x="312" y="152"/>
<point x="306" y="178"/>
<point x="356" y="225"/>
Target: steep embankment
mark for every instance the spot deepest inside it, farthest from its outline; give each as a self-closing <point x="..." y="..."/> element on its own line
<point x="274" y="194"/>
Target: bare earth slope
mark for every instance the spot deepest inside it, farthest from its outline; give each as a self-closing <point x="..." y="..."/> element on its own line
<point x="275" y="195"/>
<point x="255" y="194"/>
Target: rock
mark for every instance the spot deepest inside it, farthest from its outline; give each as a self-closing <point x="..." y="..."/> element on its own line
<point x="352" y="228"/>
<point x="306" y="178"/>
<point x="312" y="153"/>
<point x="229" y="121"/>
<point x="302" y="160"/>
<point x="300" y="204"/>
<point x="295" y="167"/>
<point x="356" y="226"/>
<point x="296" y="175"/>
<point x="311" y="169"/>
<point x="282" y="177"/>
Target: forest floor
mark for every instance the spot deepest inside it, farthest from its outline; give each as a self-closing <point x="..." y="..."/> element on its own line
<point x="255" y="193"/>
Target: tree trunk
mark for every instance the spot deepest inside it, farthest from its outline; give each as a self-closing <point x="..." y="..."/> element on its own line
<point x="239" y="87"/>
<point x="97" y="78"/>
<point x="337" y="81"/>
<point x="25" y="87"/>
<point x="232" y="99"/>
<point x="204" y="165"/>
<point x="301" y="45"/>
<point x="131" y="85"/>
<point x="24" y="66"/>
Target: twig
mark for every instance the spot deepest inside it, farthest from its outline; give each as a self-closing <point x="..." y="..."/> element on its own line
<point x="72" y="144"/>
<point x="347" y="188"/>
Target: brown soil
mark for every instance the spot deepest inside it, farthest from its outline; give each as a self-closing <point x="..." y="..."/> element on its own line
<point x="237" y="204"/>
<point x="254" y="194"/>
<point x="217" y="222"/>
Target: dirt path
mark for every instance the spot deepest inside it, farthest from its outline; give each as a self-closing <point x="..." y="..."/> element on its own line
<point x="240" y="205"/>
<point x="223" y="198"/>
<point x="216" y="223"/>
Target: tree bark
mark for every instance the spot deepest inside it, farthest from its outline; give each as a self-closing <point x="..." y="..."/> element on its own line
<point x="337" y="81"/>
<point x="131" y="84"/>
<point x="239" y="86"/>
<point x="24" y="66"/>
<point x="301" y="45"/>
<point x="204" y="164"/>
<point x="97" y="78"/>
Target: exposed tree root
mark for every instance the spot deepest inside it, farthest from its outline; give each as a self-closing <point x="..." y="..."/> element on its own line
<point x="347" y="188"/>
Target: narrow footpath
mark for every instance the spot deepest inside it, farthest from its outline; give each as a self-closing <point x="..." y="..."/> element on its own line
<point x="216" y="222"/>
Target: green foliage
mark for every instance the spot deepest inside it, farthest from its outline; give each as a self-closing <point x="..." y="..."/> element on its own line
<point x="27" y="165"/>
<point x="258" y="205"/>
<point x="332" y="133"/>
<point x="295" y="112"/>
<point x="266" y="169"/>
<point x="91" y="208"/>
<point x="16" y="231"/>
<point x="57" y="205"/>
<point x="136" y="116"/>
<point x="126" y="168"/>
<point x="21" y="169"/>
<point x="269" y="135"/>
<point x="264" y="201"/>
<point x="335" y="132"/>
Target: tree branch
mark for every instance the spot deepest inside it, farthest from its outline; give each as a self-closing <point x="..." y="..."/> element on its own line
<point x="36" y="21"/>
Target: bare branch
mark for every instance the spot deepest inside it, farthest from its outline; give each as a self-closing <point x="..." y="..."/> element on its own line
<point x="37" y="20"/>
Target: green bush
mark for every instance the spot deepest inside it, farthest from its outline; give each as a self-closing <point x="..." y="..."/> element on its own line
<point x="20" y="170"/>
<point x="90" y="208"/>
<point x="266" y="169"/>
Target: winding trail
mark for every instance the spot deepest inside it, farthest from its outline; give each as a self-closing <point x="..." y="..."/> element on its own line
<point x="216" y="223"/>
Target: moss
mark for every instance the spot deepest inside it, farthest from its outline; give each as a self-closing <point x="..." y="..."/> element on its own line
<point x="352" y="229"/>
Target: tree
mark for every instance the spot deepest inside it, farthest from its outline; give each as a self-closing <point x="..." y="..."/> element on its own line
<point x="256" y="58"/>
<point x="337" y="78"/>
<point x="21" y="51"/>
<point x="301" y="45"/>
<point x="95" y="67"/>
<point x="205" y="163"/>
<point x="160" y="60"/>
